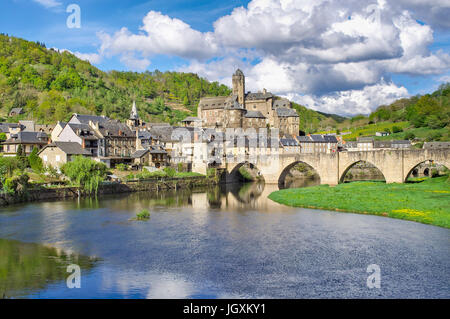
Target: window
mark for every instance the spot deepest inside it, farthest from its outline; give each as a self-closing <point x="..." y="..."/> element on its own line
<point x="58" y="158"/>
<point x="45" y="158"/>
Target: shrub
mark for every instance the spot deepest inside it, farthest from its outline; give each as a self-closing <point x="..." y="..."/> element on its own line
<point x="211" y="172"/>
<point x="396" y="129"/>
<point x="433" y="137"/>
<point x="170" y="172"/>
<point x="409" y="136"/>
<point x="143" y="215"/>
<point x="122" y="167"/>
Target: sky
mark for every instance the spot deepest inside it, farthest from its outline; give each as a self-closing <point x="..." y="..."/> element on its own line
<point x="337" y="56"/>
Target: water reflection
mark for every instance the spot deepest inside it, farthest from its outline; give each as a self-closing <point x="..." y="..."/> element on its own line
<point x="225" y="241"/>
<point x="27" y="268"/>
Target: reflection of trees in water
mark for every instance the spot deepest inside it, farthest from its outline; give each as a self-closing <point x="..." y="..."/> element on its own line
<point x="214" y="197"/>
<point x="26" y="268"/>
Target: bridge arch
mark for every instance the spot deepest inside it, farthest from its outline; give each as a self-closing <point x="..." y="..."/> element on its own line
<point x="234" y="171"/>
<point x="412" y="170"/>
<point x="351" y="165"/>
<point x="285" y="171"/>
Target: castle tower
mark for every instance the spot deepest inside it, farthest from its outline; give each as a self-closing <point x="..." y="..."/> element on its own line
<point x="239" y="86"/>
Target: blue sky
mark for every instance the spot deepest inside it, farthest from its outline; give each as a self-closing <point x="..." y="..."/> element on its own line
<point x="331" y="56"/>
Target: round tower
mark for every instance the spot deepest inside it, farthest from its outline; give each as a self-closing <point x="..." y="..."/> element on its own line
<point x="239" y="86"/>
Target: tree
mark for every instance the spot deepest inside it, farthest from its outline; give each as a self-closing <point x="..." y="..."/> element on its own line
<point x="85" y="173"/>
<point x="22" y="160"/>
<point x="35" y="161"/>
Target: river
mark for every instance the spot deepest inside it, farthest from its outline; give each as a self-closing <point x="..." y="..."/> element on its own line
<point x="223" y="242"/>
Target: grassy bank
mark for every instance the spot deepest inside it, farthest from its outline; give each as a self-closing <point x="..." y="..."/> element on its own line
<point x="426" y="202"/>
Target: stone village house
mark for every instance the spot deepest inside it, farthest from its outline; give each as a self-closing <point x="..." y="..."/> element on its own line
<point x="57" y="154"/>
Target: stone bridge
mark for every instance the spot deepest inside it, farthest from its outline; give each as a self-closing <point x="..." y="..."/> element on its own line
<point x="395" y="165"/>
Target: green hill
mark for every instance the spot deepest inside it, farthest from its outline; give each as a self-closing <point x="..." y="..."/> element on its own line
<point x="51" y="85"/>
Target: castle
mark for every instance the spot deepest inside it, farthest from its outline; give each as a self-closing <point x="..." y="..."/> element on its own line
<point x="248" y="110"/>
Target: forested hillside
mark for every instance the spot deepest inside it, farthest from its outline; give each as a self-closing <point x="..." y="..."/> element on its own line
<point x="50" y="85"/>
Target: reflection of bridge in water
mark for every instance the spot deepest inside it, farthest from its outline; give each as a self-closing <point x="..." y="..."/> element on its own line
<point x="236" y="197"/>
<point x="395" y="165"/>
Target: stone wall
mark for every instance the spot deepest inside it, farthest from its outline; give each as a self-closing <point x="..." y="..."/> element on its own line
<point x="44" y="194"/>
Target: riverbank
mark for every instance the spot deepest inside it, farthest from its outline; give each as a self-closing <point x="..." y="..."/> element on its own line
<point x="427" y="202"/>
<point x="150" y="185"/>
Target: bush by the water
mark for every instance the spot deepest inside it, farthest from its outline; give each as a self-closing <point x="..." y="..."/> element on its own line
<point x="167" y="172"/>
<point x="143" y="215"/>
<point x="86" y="173"/>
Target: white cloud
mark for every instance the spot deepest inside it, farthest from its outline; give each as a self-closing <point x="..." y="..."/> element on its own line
<point x="353" y="101"/>
<point x="162" y="35"/>
<point x="332" y="55"/>
<point x="93" y="58"/>
<point x="134" y="63"/>
<point x="49" y="3"/>
<point x="445" y="78"/>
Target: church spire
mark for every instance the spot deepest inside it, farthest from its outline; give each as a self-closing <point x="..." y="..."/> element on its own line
<point x="134" y="114"/>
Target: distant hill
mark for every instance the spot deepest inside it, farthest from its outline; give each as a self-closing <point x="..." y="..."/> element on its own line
<point x="425" y="117"/>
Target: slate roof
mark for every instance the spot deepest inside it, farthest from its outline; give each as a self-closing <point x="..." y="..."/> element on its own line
<point x="27" y="138"/>
<point x="115" y="128"/>
<point x="286" y="112"/>
<point x="157" y="150"/>
<point x="70" y="148"/>
<point x="94" y="118"/>
<point x="382" y="144"/>
<point x="304" y="139"/>
<point x="84" y="131"/>
<point x="330" y="138"/>
<point x="281" y="103"/>
<point x="139" y="153"/>
<point x="318" y="138"/>
<point x="17" y="110"/>
<point x="289" y="142"/>
<point x="144" y="135"/>
<point x="258" y="96"/>
<point x="152" y="149"/>
<point x="254" y="114"/>
<point x="239" y="72"/>
<point x="217" y="102"/>
<point x="4" y="127"/>
<point x="401" y="142"/>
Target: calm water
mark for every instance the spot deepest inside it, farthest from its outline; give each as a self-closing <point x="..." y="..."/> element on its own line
<point x="219" y="243"/>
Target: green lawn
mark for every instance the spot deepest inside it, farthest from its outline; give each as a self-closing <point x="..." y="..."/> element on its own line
<point x="426" y="202"/>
